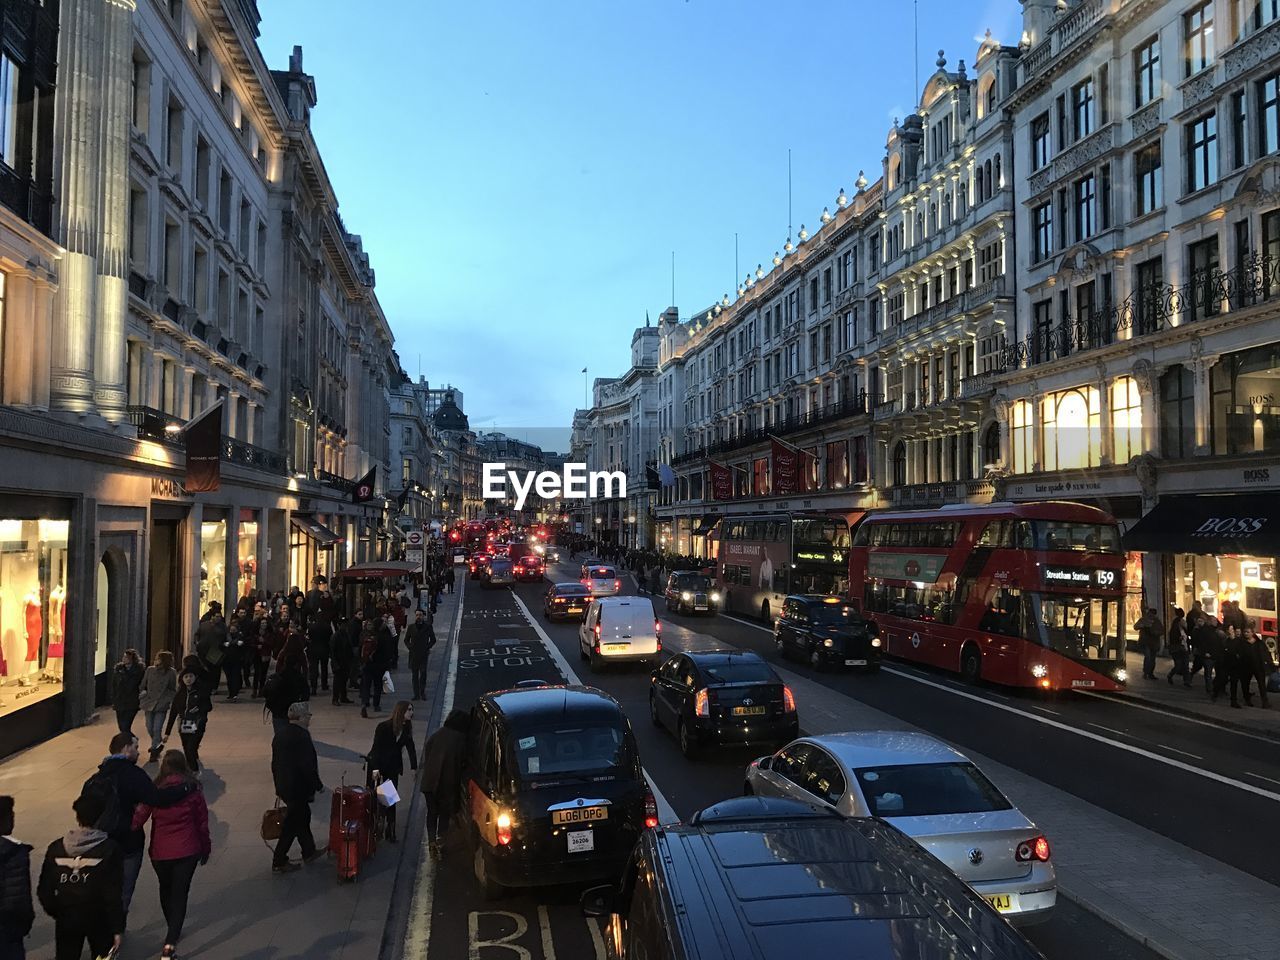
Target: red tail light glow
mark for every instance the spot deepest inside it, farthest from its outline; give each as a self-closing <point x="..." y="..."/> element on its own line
<point x="617" y="585"/>
<point x="650" y="811"/>
<point x="657" y="626"/>
<point x="1037" y="849"/>
<point x="788" y="700"/>
<point x="702" y="703"/>
<point x="504" y="828"/>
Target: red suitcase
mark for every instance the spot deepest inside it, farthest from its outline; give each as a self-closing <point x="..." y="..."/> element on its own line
<point x="348" y="803"/>
<point x="349" y="841"/>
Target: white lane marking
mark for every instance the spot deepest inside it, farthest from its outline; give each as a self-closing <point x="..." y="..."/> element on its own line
<point x="597" y="938"/>
<point x="1035" y="706"/>
<point x="666" y="812"/>
<point x="544" y="924"/>
<point x="418" y="937"/>
<point x="1168" y="761"/>
<point x="1176" y="716"/>
<point x="1193" y="756"/>
<point x="475" y="944"/>
<point x="1118" y="733"/>
<point x="1258" y="776"/>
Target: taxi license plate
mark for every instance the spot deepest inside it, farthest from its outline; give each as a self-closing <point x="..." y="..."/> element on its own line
<point x="855" y="663"/>
<point x="748" y="711"/>
<point x="574" y="610"/>
<point x="579" y="815"/>
<point x="581" y="841"/>
<point x="617" y="647"/>
<point x="1082" y="683"/>
<point x="1003" y="902"/>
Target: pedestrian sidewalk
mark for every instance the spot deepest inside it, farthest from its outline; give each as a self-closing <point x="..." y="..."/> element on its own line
<point x="1194" y="702"/>
<point x="239" y="909"/>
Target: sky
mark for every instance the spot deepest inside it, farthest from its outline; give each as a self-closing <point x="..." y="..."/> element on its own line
<point x="522" y="172"/>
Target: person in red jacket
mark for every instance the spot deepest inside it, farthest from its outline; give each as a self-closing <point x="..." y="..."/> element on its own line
<point x="179" y="841"/>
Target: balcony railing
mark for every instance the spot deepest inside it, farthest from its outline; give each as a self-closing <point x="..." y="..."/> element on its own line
<point x="151" y="424"/>
<point x="1150" y="310"/>
<point x="858" y="405"/>
<point x="247" y="455"/>
<point x="155" y="425"/>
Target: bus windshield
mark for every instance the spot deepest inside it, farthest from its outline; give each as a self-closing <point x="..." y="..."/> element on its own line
<point x="813" y="531"/>
<point x="1082" y="628"/>
<point x="1065" y="535"/>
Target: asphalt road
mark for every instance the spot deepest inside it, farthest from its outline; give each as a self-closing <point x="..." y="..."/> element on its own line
<point x="499" y="647"/>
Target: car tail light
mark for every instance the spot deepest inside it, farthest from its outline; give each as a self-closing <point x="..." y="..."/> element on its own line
<point x="650" y="810"/>
<point x="657" y="626"/>
<point x="617" y="584"/>
<point x="702" y="703"/>
<point x="1037" y="849"/>
<point x="788" y="700"/>
<point x="597" y="629"/>
<point x="504" y="828"/>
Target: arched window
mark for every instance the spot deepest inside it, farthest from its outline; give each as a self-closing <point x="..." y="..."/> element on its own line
<point x="948" y="209"/>
<point x="895" y="163"/>
<point x="998" y="182"/>
<point x="919" y="237"/>
<point x="1072" y="427"/>
<point x="899" y="465"/>
<point x="933" y="218"/>
<point x="991" y="446"/>
<point x="986" y="186"/>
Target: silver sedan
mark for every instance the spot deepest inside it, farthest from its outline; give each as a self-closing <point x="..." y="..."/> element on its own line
<point x="930" y="792"/>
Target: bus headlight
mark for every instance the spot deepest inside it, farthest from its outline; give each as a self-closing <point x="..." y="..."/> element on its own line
<point x="1122" y="675"/>
<point x="1039" y="671"/>
<point x="875" y="641"/>
<point x="715" y="598"/>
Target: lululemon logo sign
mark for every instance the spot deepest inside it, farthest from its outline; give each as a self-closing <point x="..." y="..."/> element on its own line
<point x="364" y="491"/>
<point x="1230" y="526"/>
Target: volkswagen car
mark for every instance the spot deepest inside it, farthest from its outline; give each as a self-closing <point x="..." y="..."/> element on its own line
<point x="930" y="792"/>
<point x="566" y="601"/>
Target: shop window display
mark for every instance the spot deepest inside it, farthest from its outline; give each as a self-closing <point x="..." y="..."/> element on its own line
<point x="33" y="604"/>
<point x="1249" y="581"/>
<point x="213" y="563"/>
<point x="247" y="552"/>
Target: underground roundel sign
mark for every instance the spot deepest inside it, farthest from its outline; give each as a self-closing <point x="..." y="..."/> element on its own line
<point x="915" y="640"/>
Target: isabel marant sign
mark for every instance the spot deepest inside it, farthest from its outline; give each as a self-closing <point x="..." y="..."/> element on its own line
<point x="574" y="482"/>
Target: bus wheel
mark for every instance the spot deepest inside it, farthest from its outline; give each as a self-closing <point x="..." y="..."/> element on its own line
<point x="764" y="611"/>
<point x="971" y="665"/>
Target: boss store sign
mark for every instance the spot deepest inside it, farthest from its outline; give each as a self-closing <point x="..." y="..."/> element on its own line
<point x="1244" y="523"/>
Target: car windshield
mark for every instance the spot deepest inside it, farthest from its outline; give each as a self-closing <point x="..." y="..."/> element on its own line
<point x="928" y="789"/>
<point x="596" y="748"/>
<point x="693" y="581"/>
<point x="835" y="614"/>
<point x="737" y="671"/>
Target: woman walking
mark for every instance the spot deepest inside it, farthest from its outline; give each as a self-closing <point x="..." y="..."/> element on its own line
<point x="179" y="841"/>
<point x="442" y="758"/>
<point x="190" y="710"/>
<point x="159" y="687"/>
<point x="126" y="681"/>
<point x="385" y="761"/>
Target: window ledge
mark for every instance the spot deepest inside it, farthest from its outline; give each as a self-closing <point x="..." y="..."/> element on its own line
<point x="1200" y="192"/>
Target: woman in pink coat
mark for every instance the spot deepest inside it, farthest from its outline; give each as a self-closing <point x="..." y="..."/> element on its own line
<point x="179" y="841"/>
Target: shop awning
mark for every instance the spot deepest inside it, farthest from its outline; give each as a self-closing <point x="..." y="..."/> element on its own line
<point x="1239" y="523"/>
<point x="377" y="570"/>
<point x="316" y="530"/>
<point x="705" y="524"/>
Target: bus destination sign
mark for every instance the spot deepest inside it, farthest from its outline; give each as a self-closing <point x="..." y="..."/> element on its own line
<point x="1080" y="577"/>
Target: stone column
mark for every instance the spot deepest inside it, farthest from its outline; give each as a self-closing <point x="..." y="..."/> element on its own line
<point x="1108" y="446"/>
<point x="111" y="393"/>
<point x="1201" y="370"/>
<point x="18" y="347"/>
<point x="77" y="170"/>
<point x="43" y="317"/>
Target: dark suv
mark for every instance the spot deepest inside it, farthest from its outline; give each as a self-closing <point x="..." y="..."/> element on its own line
<point x="770" y="878"/>
<point x="827" y="632"/>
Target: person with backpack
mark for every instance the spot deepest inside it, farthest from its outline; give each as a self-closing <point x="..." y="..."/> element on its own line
<point x="126" y="684"/>
<point x="179" y="842"/>
<point x="370" y="674"/>
<point x="119" y="785"/>
<point x="288" y="685"/>
<point x="82" y="883"/>
<point x="16" y="911"/>
<point x="190" y="710"/>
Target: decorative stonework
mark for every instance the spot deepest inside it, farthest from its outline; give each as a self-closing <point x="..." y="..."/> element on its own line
<point x="1262" y="46"/>
<point x="1146" y="119"/>
<point x="1198" y="89"/>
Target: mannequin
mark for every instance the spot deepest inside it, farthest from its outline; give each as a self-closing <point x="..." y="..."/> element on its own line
<point x="57" y="632"/>
<point x="35" y="624"/>
<point x="1208" y="599"/>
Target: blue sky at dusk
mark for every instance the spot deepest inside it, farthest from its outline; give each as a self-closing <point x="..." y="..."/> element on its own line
<point x="521" y="172"/>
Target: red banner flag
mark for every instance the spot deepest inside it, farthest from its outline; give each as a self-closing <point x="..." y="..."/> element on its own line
<point x="786" y="468"/>
<point x="721" y="482"/>
<point x="204" y="451"/>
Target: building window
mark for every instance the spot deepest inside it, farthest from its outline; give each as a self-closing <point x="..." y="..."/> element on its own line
<point x="899" y="465"/>
<point x="1072" y="424"/>
<point x="1245" y="417"/>
<point x="1126" y="419"/>
<point x="1146" y="72"/>
<point x="1268" y="115"/>
<point x="1042" y="330"/>
<point x="1252" y="15"/>
<point x="1205" y="294"/>
<point x="1083" y="105"/>
<point x="9" y="112"/>
<point x="1149" y="293"/>
<point x="990" y="261"/>
<point x="1197" y="27"/>
<point x="897" y="309"/>
<point x="1042" y="231"/>
<point x="826" y="285"/>
<point x="406" y="471"/>
<point x="1086" y="204"/>
<point x="140" y="91"/>
<point x="1202" y="152"/>
<point x="1021" y="437"/>
<point x="1177" y="413"/>
<point x="1240" y="129"/>
<point x="1040" y="141"/>
<point x="173" y="135"/>
<point x="1150" y="179"/>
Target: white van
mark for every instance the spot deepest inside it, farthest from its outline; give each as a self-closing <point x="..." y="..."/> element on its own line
<point x="601" y="579"/>
<point x="620" y="630"/>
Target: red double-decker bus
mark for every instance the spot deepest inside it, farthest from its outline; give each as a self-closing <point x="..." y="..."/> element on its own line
<point x="1028" y="595"/>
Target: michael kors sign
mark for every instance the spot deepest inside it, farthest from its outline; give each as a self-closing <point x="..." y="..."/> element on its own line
<point x="165" y="488"/>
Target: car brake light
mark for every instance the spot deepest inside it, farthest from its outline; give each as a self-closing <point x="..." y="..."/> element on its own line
<point x="617" y="584"/>
<point x="504" y="828"/>
<point x="657" y="626"/>
<point x="1037" y="849"/>
<point x="650" y="811"/>
<point x="788" y="700"/>
<point x="702" y="703"/>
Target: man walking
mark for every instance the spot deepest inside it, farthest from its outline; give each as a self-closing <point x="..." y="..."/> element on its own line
<point x="126" y="689"/>
<point x="296" y="772"/>
<point x="420" y="638"/>
<point x="1150" y="634"/>
<point x="1206" y="641"/>
<point x="80" y="883"/>
<point x="1252" y="664"/>
<point x="341" y="654"/>
<point x="319" y="648"/>
<point x="449" y="577"/>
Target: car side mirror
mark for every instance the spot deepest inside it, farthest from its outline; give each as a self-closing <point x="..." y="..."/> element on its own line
<point x="598" y="901"/>
<point x="765" y="763"/>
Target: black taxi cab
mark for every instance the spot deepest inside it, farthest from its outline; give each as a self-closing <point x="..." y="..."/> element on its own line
<point x="554" y="788"/>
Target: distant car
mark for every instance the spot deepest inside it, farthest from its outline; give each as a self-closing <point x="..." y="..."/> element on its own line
<point x="499" y="572"/>
<point x="691" y="591"/>
<point x="460" y="555"/>
<point x="566" y="601"/>
<point x="722" y="696"/>
<point x="530" y="567"/>
<point x="602" y="580"/>
<point x="588" y="562"/>
<point x="620" y="630"/>
<point x="551" y="553"/>
<point x="930" y="792"/>
<point x="476" y="564"/>
<point x="827" y="632"/>
<point x="772" y="879"/>
<point x="554" y="788"/>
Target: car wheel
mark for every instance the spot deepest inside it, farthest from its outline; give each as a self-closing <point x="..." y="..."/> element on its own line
<point x="491" y="889"/>
<point x="594" y="658"/>
<point x="764" y="611"/>
<point x="653" y="710"/>
<point x="815" y="659"/>
<point x="688" y="744"/>
<point x="971" y="665"/>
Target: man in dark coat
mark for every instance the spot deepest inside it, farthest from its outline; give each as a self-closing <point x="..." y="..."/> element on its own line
<point x="1150" y="635"/>
<point x="441" y="784"/>
<point x="1252" y="663"/>
<point x="341" y="655"/>
<point x="420" y="638"/>
<point x="296" y="772"/>
<point x="16" y="911"/>
<point x="210" y="637"/>
<point x="126" y="689"/>
<point x="1206" y="641"/>
<point x="80" y="884"/>
<point x="319" y="647"/>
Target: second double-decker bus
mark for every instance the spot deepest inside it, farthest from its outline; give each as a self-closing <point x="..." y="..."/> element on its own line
<point x="1028" y="595"/>
<point x="763" y="557"/>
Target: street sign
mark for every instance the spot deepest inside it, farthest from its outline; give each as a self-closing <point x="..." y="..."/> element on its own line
<point x="413" y="538"/>
<point x="416" y="556"/>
